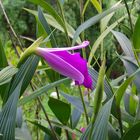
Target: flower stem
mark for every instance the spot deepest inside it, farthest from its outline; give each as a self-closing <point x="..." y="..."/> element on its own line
<point x="84" y="106"/>
<point x="57" y="92"/>
<point x="48" y="120"/>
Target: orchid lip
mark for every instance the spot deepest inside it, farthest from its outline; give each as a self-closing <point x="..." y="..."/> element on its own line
<point x="83" y="45"/>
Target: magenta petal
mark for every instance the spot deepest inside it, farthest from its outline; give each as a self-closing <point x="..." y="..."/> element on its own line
<point x="67" y="64"/>
<point x="78" y="63"/>
<point x="62" y="66"/>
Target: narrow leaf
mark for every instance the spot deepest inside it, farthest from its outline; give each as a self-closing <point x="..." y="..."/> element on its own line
<point x="132" y="67"/>
<point x="100" y="130"/>
<point x="124" y="43"/>
<point x="75" y="101"/>
<point x="41" y="91"/>
<point x="75" y="117"/>
<point x="97" y="5"/>
<point x="97" y="43"/>
<point x="93" y="21"/>
<point x="136" y="35"/>
<point x="8" y="115"/>
<point x="6" y="74"/>
<point x="52" y="22"/>
<point x="132" y="133"/>
<point x="94" y="75"/>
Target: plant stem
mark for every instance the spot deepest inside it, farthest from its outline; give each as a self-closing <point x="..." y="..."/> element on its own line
<point x="119" y="120"/>
<point x="58" y="97"/>
<point x="81" y="3"/>
<point x="84" y="106"/>
<point x="64" y="22"/>
<point x="48" y="120"/>
<point x="10" y="26"/>
<point x="67" y="134"/>
<point x="129" y="15"/>
<point x="46" y="115"/>
<point x="88" y="96"/>
<point x="37" y="117"/>
<point x="57" y="92"/>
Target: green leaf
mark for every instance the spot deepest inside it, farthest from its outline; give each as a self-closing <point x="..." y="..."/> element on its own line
<point x="61" y="109"/>
<point x="46" y="26"/>
<point x="99" y="91"/>
<point x="23" y="133"/>
<point x="130" y="103"/>
<point x="53" y="22"/>
<point x="112" y="134"/>
<point x="41" y="127"/>
<point x="85" y="7"/>
<point x="127" y="117"/>
<point x="3" y="59"/>
<point x="100" y="130"/>
<point x="97" y="43"/>
<point x="3" y="63"/>
<point x="124" y="43"/>
<point x="59" y="125"/>
<point x="75" y="101"/>
<point x="121" y="90"/>
<point x="97" y="5"/>
<point x="131" y="67"/>
<point x="27" y="69"/>
<point x="8" y="115"/>
<point x="19" y="118"/>
<point x="41" y="91"/>
<point x="93" y="21"/>
<point x="107" y="88"/>
<point x="49" y="9"/>
<point x="6" y="74"/>
<point x="105" y="21"/>
<point x="75" y="117"/>
<point x="132" y="133"/>
<point x="136" y="35"/>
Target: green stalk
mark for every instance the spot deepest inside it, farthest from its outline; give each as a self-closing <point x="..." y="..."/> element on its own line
<point x="98" y="96"/>
<point x="129" y="15"/>
<point x="46" y="115"/>
<point x="57" y="92"/>
<point x="10" y="26"/>
<point x="64" y="21"/>
<point x="81" y="3"/>
<point x="102" y="43"/>
<point x="120" y="120"/>
<point x="84" y="106"/>
<point x="48" y="120"/>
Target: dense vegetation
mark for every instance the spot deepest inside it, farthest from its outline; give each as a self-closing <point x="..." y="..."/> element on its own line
<point x="48" y="91"/>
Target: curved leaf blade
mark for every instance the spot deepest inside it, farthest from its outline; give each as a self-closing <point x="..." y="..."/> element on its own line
<point x="93" y="21"/>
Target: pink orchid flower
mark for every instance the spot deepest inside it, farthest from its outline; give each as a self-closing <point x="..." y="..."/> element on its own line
<point x="68" y="64"/>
